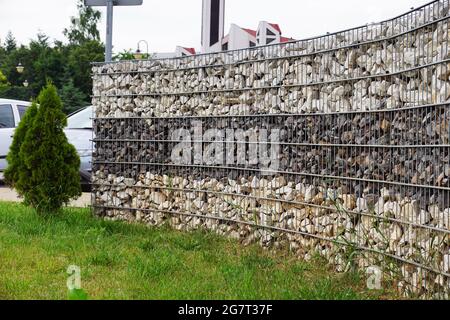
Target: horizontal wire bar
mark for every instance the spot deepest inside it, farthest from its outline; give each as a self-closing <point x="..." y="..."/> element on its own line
<point x="273" y="172"/>
<point x="265" y="88"/>
<point x="238" y="63"/>
<point x="252" y="224"/>
<point x="333" y="208"/>
<point x="326" y="145"/>
<point x="441" y="104"/>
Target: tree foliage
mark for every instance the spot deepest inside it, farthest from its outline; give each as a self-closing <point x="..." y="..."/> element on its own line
<point x="129" y="55"/>
<point x="73" y="98"/>
<point x="124" y="55"/>
<point x="3" y="81"/>
<point x="68" y="65"/>
<point x="84" y="27"/>
<point x="78" y="65"/>
<point x="10" y="42"/>
<point x="46" y="171"/>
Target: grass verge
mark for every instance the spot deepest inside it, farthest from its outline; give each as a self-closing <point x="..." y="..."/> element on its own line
<point x="122" y="261"/>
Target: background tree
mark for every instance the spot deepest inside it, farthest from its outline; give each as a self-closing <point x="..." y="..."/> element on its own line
<point x="124" y="55"/>
<point x="84" y="27"/>
<point x="67" y="65"/>
<point x="73" y="98"/>
<point x="10" y="42"/>
<point x="129" y="55"/>
<point x="84" y="47"/>
<point x="78" y="65"/>
<point x="51" y="162"/>
<point x="3" y="81"/>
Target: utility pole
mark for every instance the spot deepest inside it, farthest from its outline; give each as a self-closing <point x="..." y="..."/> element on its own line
<point x="109" y="4"/>
<point x="109" y="29"/>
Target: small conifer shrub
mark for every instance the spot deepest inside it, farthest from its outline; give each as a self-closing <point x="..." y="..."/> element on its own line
<point x="46" y="171"/>
<point x="16" y="167"/>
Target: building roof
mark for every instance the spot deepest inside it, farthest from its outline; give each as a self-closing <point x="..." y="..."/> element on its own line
<point x="250" y="31"/>
<point x="190" y="50"/>
<point x="276" y="27"/>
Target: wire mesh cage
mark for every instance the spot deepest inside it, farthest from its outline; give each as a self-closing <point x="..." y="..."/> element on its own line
<point x="337" y="145"/>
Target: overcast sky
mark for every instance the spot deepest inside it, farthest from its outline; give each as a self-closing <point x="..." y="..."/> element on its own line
<point x="167" y="23"/>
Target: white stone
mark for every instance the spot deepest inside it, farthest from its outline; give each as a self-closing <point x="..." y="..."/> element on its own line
<point x="379" y="206"/>
<point x="104" y="197"/>
<point x="446" y="263"/>
<point x="284" y="191"/>
<point x="410" y="211"/>
<point x="396" y="233"/>
<point x="123" y="195"/>
<point x="338" y="93"/>
<point x="393" y="207"/>
<point x="361" y="205"/>
<point x="157" y="198"/>
<point x="385" y="194"/>
<point x="434" y="211"/>
<point x="310" y="193"/>
<point x="349" y="201"/>
<point x="379" y="88"/>
<point x="119" y="180"/>
<point x="424" y="217"/>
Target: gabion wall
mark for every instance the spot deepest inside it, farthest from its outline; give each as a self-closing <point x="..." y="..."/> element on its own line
<point x="362" y="157"/>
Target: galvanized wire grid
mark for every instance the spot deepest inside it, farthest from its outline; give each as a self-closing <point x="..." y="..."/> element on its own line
<point x="363" y="174"/>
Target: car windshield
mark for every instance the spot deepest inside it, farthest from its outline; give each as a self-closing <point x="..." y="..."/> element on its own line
<point x="80" y="119"/>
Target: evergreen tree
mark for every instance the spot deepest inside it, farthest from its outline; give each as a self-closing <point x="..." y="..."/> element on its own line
<point x="79" y="61"/>
<point x="10" y="42"/>
<point x="84" y="47"/>
<point x="16" y="170"/>
<point x="52" y="162"/>
<point x="68" y="66"/>
<point x="72" y="97"/>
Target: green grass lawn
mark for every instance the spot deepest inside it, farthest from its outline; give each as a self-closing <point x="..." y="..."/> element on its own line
<point x="122" y="261"/>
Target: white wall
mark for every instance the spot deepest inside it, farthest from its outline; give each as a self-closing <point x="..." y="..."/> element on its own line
<point x="206" y="26"/>
<point x="239" y="38"/>
<point x="262" y="29"/>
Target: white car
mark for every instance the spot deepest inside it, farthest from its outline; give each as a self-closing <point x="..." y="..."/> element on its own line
<point x="11" y="111"/>
<point x="78" y="132"/>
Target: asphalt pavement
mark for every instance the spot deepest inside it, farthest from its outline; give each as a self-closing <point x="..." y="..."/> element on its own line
<point x="9" y="195"/>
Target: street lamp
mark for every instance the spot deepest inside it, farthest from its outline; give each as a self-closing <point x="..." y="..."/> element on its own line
<point x="20" y="68"/>
<point x="26" y="84"/>
<point x="138" y="55"/>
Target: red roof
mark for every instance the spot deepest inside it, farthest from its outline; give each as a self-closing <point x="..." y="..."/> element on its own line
<point x="276" y="27"/>
<point x="190" y="50"/>
<point x="250" y="31"/>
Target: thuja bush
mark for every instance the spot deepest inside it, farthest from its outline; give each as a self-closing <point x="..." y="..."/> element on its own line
<point x="16" y="170"/>
<point x="46" y="170"/>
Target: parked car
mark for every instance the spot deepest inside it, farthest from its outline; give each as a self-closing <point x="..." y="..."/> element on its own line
<point x="78" y="132"/>
<point x="11" y="111"/>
